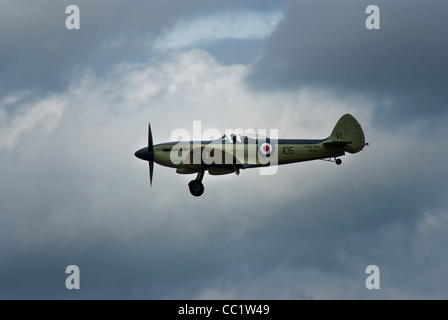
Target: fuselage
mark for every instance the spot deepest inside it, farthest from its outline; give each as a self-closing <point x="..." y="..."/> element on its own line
<point x="193" y="155"/>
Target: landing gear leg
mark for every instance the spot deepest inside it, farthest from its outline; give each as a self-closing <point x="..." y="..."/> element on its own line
<point x="196" y="186"/>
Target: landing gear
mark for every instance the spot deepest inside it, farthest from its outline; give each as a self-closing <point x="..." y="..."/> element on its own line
<point x="336" y="160"/>
<point x="196" y="186"/>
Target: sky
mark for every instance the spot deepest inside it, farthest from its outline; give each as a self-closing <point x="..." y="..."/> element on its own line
<point x="75" y="105"/>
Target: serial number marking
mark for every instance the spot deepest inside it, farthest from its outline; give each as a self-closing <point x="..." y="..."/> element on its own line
<point x="312" y="147"/>
<point x="288" y="150"/>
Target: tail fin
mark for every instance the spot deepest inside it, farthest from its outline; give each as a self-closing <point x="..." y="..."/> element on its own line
<point x="348" y="131"/>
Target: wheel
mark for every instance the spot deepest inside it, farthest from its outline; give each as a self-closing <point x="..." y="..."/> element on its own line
<point x="338" y="161"/>
<point x="196" y="188"/>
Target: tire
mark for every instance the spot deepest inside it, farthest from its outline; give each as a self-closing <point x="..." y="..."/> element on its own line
<point x="196" y="188"/>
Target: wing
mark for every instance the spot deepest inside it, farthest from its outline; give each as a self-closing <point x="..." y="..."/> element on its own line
<point x="215" y="161"/>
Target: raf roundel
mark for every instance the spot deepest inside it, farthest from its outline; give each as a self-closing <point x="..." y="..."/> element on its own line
<point x="266" y="149"/>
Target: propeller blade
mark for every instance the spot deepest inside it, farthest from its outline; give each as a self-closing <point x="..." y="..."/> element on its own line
<point x="151" y="169"/>
<point x="150" y="144"/>
<point x="151" y="150"/>
<point x="147" y="154"/>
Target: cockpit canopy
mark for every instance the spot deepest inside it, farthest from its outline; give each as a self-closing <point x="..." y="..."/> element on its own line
<point x="240" y="138"/>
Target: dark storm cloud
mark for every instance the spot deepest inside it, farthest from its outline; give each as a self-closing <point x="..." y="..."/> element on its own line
<point x="325" y="44"/>
<point x="38" y="51"/>
<point x="359" y="219"/>
<point x="72" y="192"/>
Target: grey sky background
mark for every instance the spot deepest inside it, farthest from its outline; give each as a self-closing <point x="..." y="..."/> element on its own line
<point x="74" y="107"/>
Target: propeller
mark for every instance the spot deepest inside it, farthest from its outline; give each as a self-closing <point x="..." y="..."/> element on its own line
<point x="151" y="154"/>
<point x="147" y="154"/>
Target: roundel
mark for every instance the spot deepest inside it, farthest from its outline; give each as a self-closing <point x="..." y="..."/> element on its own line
<point x="266" y="149"/>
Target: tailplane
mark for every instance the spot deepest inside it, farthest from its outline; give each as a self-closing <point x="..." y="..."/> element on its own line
<point x="348" y="132"/>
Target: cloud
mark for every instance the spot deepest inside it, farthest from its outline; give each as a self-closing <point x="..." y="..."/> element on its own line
<point x="74" y="107"/>
<point x="48" y="111"/>
<point x="38" y="51"/>
<point x="222" y="26"/>
<point x="73" y="193"/>
<point x="325" y="44"/>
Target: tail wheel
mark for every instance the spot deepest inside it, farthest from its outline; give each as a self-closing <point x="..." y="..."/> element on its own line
<point x="196" y="188"/>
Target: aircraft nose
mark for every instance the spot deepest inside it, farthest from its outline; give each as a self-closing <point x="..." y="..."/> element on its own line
<point x="143" y="154"/>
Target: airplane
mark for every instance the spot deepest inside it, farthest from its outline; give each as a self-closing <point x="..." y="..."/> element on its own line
<point x="230" y="155"/>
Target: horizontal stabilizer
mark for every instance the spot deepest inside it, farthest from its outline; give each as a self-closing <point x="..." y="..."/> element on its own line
<point x="336" y="143"/>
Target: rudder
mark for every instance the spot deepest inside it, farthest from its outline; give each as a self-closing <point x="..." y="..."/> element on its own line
<point x="348" y="131"/>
